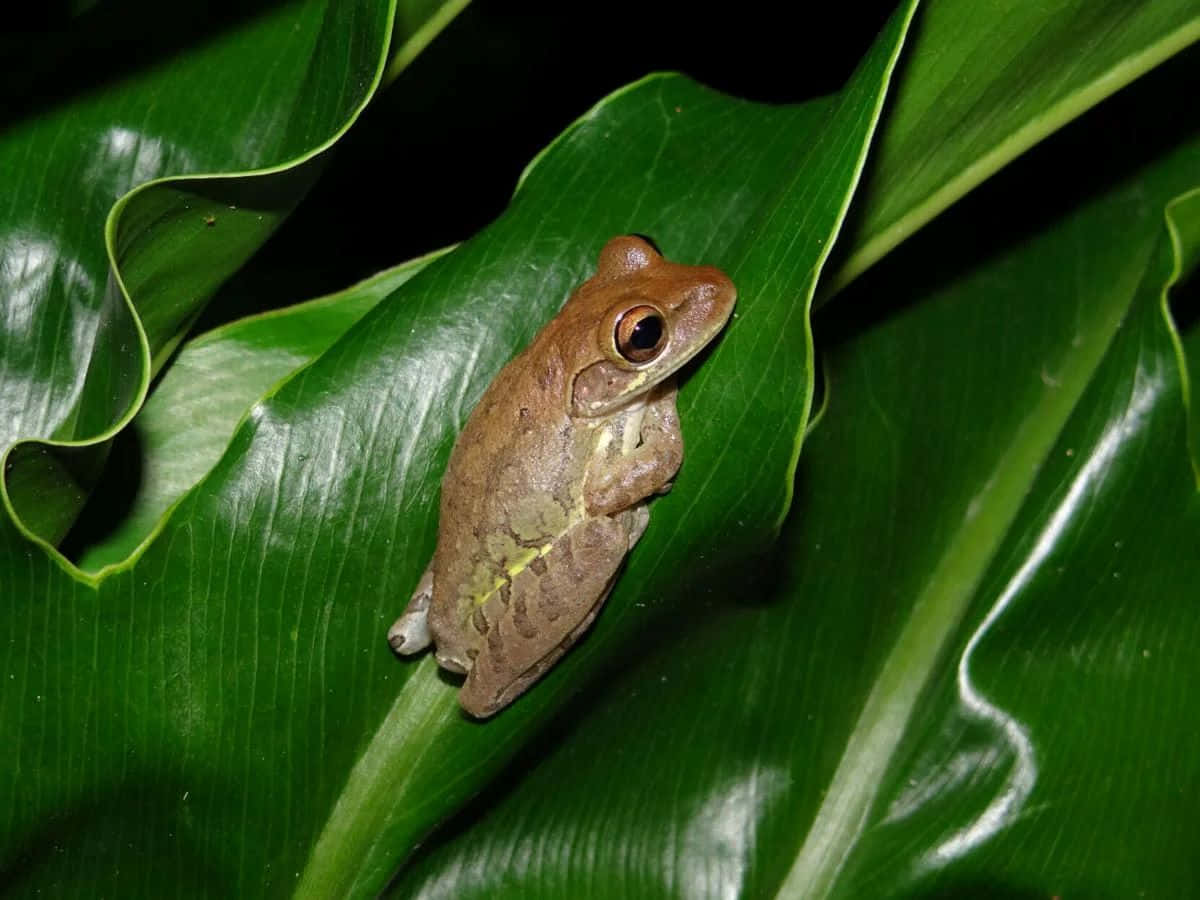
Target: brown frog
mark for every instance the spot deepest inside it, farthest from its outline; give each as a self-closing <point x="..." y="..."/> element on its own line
<point x="546" y="489"/>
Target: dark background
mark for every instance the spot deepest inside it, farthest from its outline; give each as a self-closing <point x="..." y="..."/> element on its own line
<point x="438" y="153"/>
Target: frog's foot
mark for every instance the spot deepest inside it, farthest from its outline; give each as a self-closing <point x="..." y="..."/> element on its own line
<point x="453" y="662"/>
<point x="410" y="633"/>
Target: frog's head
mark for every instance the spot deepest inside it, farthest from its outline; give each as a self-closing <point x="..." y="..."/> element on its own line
<point x="639" y="318"/>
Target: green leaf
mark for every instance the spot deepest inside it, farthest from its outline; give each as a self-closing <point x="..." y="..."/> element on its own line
<point x="424" y="757"/>
<point x="265" y="92"/>
<point x="220" y="713"/>
<point x="231" y="690"/>
<point x="982" y="84"/>
<point x="417" y="23"/>
<point x="188" y="420"/>
<point x="960" y="671"/>
<point x="1183" y="225"/>
<point x="91" y="150"/>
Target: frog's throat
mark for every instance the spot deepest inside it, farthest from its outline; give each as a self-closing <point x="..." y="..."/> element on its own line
<point x="515" y="568"/>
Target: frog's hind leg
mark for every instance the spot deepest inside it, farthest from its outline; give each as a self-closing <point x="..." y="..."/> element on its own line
<point x="545" y="609"/>
<point x="410" y="633"/>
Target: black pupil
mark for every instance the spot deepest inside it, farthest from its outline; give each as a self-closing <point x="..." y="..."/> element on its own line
<point x="646" y="333"/>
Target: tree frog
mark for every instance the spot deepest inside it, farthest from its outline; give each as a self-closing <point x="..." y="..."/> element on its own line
<point x="547" y="486"/>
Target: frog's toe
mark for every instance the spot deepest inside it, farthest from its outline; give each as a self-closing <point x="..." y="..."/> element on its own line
<point x="410" y="633"/>
<point x="453" y="662"/>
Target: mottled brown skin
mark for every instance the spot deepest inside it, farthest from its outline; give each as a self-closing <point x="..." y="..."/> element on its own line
<point x="546" y="489"/>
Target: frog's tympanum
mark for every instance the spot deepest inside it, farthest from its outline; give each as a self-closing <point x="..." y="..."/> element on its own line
<point x="547" y="485"/>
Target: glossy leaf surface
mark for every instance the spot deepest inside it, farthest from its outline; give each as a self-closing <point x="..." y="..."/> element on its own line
<point x="1056" y="62"/>
<point x="84" y="189"/>
<point x="188" y="420"/>
<point x="985" y="81"/>
<point x="222" y="716"/>
<point x="247" y="671"/>
<point x="962" y="671"/>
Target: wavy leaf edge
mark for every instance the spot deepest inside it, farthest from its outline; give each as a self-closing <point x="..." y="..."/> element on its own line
<point x="111" y="225"/>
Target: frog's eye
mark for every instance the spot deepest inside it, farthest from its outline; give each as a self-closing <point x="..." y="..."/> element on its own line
<point x="641" y="334"/>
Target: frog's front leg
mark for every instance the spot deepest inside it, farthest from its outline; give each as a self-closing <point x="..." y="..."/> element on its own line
<point x="533" y="620"/>
<point x="634" y="473"/>
<point x="410" y="633"/>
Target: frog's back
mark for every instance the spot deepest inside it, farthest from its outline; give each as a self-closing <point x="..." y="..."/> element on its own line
<point x="512" y="486"/>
